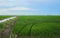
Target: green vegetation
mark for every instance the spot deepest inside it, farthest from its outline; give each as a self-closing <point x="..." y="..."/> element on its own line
<point x="5" y="25"/>
<point x="34" y="27"/>
<point x="5" y="28"/>
<point x="3" y="17"/>
<point x="37" y="26"/>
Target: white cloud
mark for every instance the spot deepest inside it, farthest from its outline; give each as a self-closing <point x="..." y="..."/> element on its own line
<point x="2" y="0"/>
<point x="14" y="13"/>
<point x="15" y="8"/>
<point x="7" y="12"/>
<point x="1" y="4"/>
<point x="22" y="2"/>
<point x="19" y="8"/>
<point x="6" y="4"/>
<point x="5" y="0"/>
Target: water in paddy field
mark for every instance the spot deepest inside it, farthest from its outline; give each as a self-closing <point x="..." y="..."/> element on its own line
<point x="7" y="19"/>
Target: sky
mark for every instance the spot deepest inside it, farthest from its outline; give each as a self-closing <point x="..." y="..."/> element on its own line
<point x="29" y="7"/>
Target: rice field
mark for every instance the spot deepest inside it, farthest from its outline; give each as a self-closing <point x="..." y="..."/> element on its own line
<point x="36" y="27"/>
<point x="6" y="26"/>
<point x="4" y="17"/>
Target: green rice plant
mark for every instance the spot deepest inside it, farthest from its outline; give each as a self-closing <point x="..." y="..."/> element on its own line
<point x="37" y="26"/>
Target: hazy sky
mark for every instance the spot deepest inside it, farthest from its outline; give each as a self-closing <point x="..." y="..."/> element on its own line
<point x="29" y="7"/>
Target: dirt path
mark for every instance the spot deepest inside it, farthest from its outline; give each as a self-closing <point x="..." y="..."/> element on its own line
<point x="6" y="32"/>
<point x="7" y="19"/>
